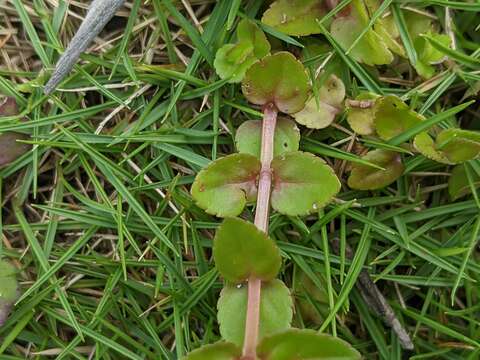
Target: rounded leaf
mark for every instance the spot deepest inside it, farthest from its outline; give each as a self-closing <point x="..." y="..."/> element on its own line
<point x="249" y="137"/>
<point x="361" y="113"/>
<point x="295" y="17"/>
<point x="241" y="251"/>
<point x="227" y="184"/>
<point x="302" y="183"/>
<point x="371" y="49"/>
<point x="218" y="351"/>
<point x="276" y="310"/>
<point x="452" y="146"/>
<point x="458" y="184"/>
<point x="426" y="146"/>
<point x="393" y="117"/>
<point x="459" y="145"/>
<point x="278" y="79"/>
<point x="330" y="98"/>
<point x="364" y="177"/>
<point x="8" y="289"/>
<point x="305" y="345"/>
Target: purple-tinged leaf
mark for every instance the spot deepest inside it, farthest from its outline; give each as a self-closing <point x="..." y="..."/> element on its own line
<point x="278" y="79"/>
<point x="364" y="177"/>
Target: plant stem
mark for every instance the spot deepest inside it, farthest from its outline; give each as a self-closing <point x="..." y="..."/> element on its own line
<point x="261" y="221"/>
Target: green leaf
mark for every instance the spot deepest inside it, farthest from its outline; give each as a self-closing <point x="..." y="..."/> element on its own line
<point x="278" y="79"/>
<point x="8" y="289"/>
<point x="248" y="31"/>
<point x="276" y="310"/>
<point x="365" y="177"/>
<point x="249" y="137"/>
<point x="452" y="146"/>
<point x="361" y="117"/>
<point x="393" y="117"/>
<point x="305" y="344"/>
<point x="330" y="98"/>
<point x="459" y="145"/>
<point x="218" y="351"/>
<point x="233" y="60"/>
<point x="458" y="184"/>
<point x="225" y="186"/>
<point x="241" y="251"/>
<point x="428" y="55"/>
<point x="370" y="49"/>
<point x="426" y="146"/>
<point x="302" y="183"/>
<point x="295" y="17"/>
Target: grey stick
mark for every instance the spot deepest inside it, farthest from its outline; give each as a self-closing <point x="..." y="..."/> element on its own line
<point x="377" y="302"/>
<point x="99" y="14"/>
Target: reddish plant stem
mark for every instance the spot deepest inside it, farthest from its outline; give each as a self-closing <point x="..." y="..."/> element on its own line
<point x="261" y="221"/>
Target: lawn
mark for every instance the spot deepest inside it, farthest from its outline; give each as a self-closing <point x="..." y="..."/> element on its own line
<point x="115" y="179"/>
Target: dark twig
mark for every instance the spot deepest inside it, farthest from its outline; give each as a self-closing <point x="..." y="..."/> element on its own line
<point x="99" y="14"/>
<point x="377" y="302"/>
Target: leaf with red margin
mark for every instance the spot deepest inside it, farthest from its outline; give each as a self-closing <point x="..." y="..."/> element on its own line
<point x="364" y="177"/>
<point x="278" y="79"/>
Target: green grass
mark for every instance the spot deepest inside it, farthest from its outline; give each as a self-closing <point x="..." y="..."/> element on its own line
<point x="114" y="258"/>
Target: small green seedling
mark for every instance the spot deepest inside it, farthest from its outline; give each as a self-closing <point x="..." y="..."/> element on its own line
<point x="10" y="148"/>
<point x="8" y="289"/>
<point x="255" y="309"/>
<point x="233" y="60"/>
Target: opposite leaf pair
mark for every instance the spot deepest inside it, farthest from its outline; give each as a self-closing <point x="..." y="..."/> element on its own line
<point x="302" y="184"/>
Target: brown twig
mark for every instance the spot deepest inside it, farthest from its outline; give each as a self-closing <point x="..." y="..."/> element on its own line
<point x="376" y="301"/>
